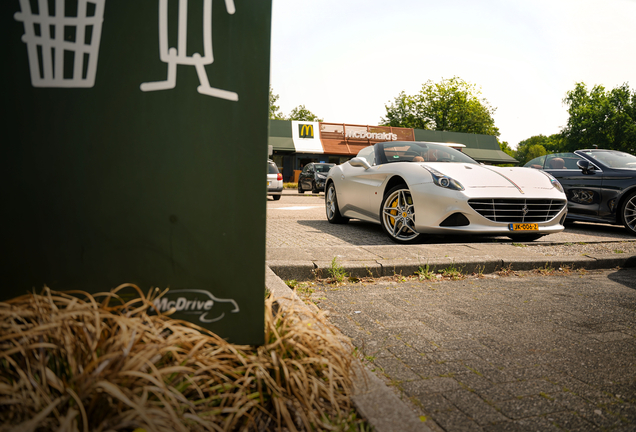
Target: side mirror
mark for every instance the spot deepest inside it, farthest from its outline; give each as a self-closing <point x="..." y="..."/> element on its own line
<point x="360" y="162"/>
<point x="586" y="166"/>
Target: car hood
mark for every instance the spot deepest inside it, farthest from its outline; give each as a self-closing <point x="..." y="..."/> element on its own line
<point x="484" y="176"/>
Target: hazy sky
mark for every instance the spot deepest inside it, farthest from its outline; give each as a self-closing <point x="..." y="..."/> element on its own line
<point x="345" y="59"/>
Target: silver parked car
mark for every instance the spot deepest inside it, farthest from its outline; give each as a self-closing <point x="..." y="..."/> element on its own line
<point x="274" y="180"/>
<point x="414" y="188"/>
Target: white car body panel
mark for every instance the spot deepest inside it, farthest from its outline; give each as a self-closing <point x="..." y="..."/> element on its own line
<point x="360" y="192"/>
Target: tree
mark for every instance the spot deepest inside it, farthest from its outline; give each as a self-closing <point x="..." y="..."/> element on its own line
<point x="402" y="113"/>
<point x="536" y="146"/>
<point x="599" y="117"/>
<point x="303" y="114"/>
<point x="299" y="113"/>
<point x="274" y="112"/>
<point x="505" y="147"/>
<point x="450" y="105"/>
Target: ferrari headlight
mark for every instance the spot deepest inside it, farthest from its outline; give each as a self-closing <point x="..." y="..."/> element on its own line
<point x="444" y="181"/>
<point x="555" y="182"/>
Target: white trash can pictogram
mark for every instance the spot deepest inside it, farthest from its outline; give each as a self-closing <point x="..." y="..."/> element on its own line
<point x="62" y="43"/>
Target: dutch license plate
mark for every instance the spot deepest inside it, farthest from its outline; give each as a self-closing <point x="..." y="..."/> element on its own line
<point x="268" y="183"/>
<point x="523" y="227"/>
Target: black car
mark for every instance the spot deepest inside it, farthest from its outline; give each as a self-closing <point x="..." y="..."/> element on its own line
<point x="600" y="184"/>
<point x="313" y="177"/>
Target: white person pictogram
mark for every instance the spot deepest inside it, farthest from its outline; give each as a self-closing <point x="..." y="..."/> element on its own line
<point x="178" y="56"/>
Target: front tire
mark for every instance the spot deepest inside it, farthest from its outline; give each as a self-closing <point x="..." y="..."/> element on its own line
<point x="628" y="213"/>
<point x="331" y="206"/>
<point x="276" y="197"/>
<point x="300" y="188"/>
<point x="397" y="215"/>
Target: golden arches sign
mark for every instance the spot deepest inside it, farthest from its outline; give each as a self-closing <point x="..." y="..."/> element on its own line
<point x="306" y="130"/>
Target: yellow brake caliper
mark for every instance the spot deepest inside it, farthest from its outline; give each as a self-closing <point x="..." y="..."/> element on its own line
<point x="394" y="212"/>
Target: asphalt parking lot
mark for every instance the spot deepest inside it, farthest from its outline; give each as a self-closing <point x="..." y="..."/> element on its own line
<point x="521" y="352"/>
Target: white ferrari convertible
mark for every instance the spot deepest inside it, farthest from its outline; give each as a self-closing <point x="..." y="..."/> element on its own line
<point x="415" y="188"/>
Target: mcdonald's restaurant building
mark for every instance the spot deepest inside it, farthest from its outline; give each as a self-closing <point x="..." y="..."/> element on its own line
<point x="296" y="143"/>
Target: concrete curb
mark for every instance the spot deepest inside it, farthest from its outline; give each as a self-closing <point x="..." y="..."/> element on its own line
<point x="377" y="403"/>
<point x="309" y="270"/>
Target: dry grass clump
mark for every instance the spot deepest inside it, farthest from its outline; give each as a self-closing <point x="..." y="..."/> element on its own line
<point x="76" y="362"/>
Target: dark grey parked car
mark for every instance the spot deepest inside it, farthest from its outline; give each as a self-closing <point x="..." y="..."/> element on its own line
<point x="313" y="177"/>
<point x="600" y="184"/>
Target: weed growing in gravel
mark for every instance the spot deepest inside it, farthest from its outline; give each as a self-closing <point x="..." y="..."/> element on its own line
<point x="507" y="271"/>
<point x="292" y="283"/>
<point x="399" y="278"/>
<point x="425" y="273"/>
<point x="304" y="291"/>
<point x="546" y="270"/>
<point x="452" y="272"/>
<point x="336" y="271"/>
<point x="480" y="271"/>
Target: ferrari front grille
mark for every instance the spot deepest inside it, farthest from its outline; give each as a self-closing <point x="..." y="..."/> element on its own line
<point x="517" y="210"/>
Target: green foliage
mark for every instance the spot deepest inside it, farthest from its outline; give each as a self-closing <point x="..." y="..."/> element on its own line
<point x="292" y="283"/>
<point x="538" y="145"/>
<point x="451" y="272"/>
<point x="274" y="110"/>
<point x="303" y="114"/>
<point x="505" y="147"/>
<point x="299" y="113"/>
<point x="403" y="113"/>
<point x="600" y="117"/>
<point x="336" y="271"/>
<point x="425" y="273"/>
<point x="304" y="291"/>
<point x="450" y="105"/>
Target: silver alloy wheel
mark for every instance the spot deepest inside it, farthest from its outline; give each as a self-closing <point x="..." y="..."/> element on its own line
<point x="331" y="206"/>
<point x="398" y="215"/>
<point x="330" y="201"/>
<point x="629" y="213"/>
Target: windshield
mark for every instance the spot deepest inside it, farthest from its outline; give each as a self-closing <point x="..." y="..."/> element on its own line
<point x="272" y="168"/>
<point x="323" y="168"/>
<point x="420" y="152"/>
<point x="613" y="159"/>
